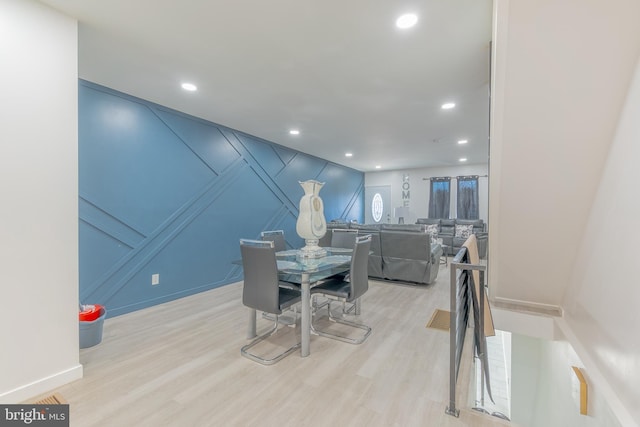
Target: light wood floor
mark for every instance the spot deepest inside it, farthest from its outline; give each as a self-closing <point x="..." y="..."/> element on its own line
<point x="179" y="364"/>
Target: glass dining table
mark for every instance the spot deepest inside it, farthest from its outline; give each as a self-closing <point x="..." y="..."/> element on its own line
<point x="306" y="272"/>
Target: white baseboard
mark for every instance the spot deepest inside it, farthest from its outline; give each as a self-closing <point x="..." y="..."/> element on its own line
<point x="533" y="307"/>
<point x="41" y="386"/>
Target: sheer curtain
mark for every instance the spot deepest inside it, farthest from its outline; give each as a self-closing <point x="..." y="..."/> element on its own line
<point x="467" y="198"/>
<point x="439" y="197"/>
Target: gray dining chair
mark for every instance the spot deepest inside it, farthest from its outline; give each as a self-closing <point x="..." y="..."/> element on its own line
<point x="348" y="290"/>
<point x="343" y="238"/>
<point x="263" y="291"/>
<point x="277" y="237"/>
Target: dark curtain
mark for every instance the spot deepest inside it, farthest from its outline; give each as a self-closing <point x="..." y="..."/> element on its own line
<point x="467" y="203"/>
<point x="439" y="198"/>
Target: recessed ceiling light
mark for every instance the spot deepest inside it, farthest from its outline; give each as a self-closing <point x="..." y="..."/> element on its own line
<point x="407" y="20"/>
<point x="378" y="166"/>
<point x="464" y="159"/>
<point x="448" y="106"/>
<point x="348" y="154"/>
<point x="294" y="132"/>
<point x="190" y="87"/>
<point x="462" y="141"/>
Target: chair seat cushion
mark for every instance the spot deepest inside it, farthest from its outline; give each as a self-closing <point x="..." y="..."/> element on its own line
<point x="289" y="285"/>
<point x="288" y="297"/>
<point x="334" y="287"/>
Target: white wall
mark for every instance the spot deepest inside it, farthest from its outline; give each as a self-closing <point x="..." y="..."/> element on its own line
<point x="543" y="387"/>
<point x="602" y="301"/>
<point x="561" y="73"/>
<point x="419" y="188"/>
<point x="563" y="184"/>
<point x="38" y="189"/>
<point x="525" y="374"/>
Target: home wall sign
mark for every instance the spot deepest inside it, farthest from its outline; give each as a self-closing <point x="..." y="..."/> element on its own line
<point x="406" y="193"/>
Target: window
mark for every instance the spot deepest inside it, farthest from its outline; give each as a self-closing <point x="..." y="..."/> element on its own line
<point x="467" y="197"/>
<point x="439" y="197"/>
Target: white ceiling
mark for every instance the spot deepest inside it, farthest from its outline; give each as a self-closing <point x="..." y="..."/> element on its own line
<point x="339" y="71"/>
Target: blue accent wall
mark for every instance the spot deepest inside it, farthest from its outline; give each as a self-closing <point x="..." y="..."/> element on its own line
<point x="162" y="192"/>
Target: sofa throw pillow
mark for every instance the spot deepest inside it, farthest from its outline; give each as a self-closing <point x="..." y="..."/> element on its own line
<point x="463" y="231"/>
<point x="432" y="229"/>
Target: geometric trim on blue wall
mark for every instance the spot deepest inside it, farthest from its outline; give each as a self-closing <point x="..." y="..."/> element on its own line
<point x="162" y="192"/>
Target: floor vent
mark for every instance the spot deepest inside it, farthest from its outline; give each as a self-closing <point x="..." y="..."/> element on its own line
<point x="54" y="399"/>
<point x="440" y="320"/>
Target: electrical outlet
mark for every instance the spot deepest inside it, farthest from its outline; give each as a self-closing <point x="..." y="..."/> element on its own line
<point x="155" y="279"/>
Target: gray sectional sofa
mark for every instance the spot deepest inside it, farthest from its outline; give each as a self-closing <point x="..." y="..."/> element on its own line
<point x="399" y="252"/>
<point x="452" y="239"/>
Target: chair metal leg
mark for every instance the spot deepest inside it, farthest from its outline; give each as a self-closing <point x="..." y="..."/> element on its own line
<point x="315" y="305"/>
<point x="343" y="338"/>
<point x="284" y="319"/>
<point x="244" y="350"/>
<point x="354" y="308"/>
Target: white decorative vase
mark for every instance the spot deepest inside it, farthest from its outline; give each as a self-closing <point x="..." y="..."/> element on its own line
<point x="311" y="225"/>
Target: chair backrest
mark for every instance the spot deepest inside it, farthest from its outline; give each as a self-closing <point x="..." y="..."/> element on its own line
<point x="326" y="239"/>
<point x="344" y="238"/>
<point x="405" y="245"/>
<point x="447" y="226"/>
<point x="261" y="287"/>
<point x="428" y="221"/>
<point x="359" y="277"/>
<point x="277" y="237"/>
